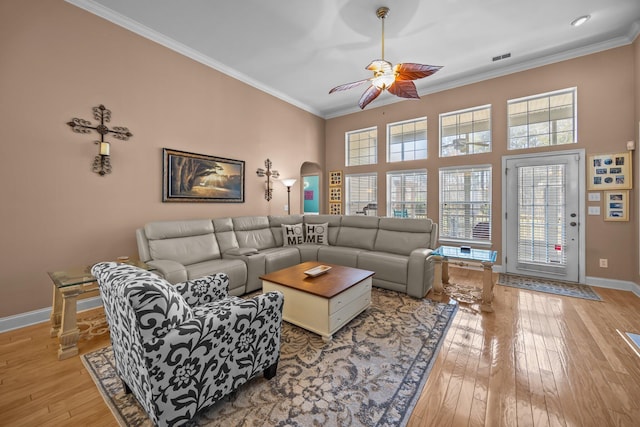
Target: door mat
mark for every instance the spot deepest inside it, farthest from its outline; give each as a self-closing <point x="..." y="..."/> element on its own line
<point x="567" y="289"/>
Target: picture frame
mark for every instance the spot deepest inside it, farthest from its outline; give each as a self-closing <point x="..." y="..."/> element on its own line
<point x="335" y="194"/>
<point x="616" y="205"/>
<point x="335" y="178"/>
<point x="191" y="177"/>
<point x="610" y="171"/>
<point x="335" y="208"/>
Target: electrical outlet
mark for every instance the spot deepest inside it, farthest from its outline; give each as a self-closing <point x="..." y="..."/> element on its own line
<point x="286" y="208"/>
<point x="604" y="263"/>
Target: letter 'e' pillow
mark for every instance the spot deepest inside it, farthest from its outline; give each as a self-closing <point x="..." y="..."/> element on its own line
<point x="292" y="234"/>
<point x="317" y="233"/>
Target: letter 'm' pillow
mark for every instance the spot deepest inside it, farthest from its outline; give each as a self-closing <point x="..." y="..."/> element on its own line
<point x="292" y="234"/>
<point x="317" y="233"/>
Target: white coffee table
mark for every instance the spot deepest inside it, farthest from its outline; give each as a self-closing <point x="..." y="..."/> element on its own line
<point x="321" y="304"/>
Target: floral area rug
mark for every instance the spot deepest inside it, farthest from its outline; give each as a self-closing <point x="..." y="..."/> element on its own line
<point x="567" y="289"/>
<point x="370" y="374"/>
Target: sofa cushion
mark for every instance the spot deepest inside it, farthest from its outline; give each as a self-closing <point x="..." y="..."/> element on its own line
<point x="333" y="221"/>
<point x="279" y="258"/>
<point x="253" y="232"/>
<point x="389" y="267"/>
<point x="316" y="234"/>
<point x="401" y="236"/>
<point x="223" y="229"/>
<point x="276" y="221"/>
<point x="172" y="229"/>
<point x="339" y="255"/>
<point x="185" y="250"/>
<point x="292" y="234"/>
<point x="358" y="232"/>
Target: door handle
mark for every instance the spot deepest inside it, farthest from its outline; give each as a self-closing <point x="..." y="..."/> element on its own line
<point x="573" y="223"/>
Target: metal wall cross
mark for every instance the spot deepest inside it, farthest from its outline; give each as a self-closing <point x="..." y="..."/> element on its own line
<point x="101" y="164"/>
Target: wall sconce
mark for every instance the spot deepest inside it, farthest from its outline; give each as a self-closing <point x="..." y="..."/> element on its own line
<point x="270" y="174"/>
<point x="288" y="183"/>
<point x="101" y="163"/>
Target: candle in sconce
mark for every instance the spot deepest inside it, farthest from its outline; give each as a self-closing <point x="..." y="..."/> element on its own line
<point x="104" y="148"/>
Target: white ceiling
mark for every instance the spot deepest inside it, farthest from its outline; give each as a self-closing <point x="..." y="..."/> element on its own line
<point x="298" y="50"/>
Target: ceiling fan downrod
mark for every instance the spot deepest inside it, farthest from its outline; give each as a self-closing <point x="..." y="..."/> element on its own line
<point x="382" y="13"/>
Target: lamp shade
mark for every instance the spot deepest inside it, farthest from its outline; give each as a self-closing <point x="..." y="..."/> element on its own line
<point x="288" y="182"/>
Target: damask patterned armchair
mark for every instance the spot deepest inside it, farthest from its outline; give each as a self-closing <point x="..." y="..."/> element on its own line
<point x="181" y="348"/>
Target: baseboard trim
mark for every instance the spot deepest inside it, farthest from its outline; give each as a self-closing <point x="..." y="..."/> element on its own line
<point x="43" y="315"/>
<point x="621" y="285"/>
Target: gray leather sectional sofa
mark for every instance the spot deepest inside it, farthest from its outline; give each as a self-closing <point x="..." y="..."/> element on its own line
<point x="246" y="247"/>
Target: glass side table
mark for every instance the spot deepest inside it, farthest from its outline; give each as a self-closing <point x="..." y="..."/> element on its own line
<point x="486" y="258"/>
<point x="68" y="285"/>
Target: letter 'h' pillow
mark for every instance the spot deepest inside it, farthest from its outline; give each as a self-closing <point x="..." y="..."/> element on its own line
<point x="292" y="234"/>
<point x="317" y="233"/>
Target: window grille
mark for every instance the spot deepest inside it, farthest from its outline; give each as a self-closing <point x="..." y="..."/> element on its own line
<point x="543" y="120"/>
<point x="465" y="132"/>
<point x="465" y="203"/>
<point x="361" y="194"/>
<point x="407" y="194"/>
<point x="362" y="147"/>
<point x="407" y="140"/>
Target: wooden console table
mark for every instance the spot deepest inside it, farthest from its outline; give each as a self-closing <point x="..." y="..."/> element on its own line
<point x="68" y="285"/>
<point x="484" y="257"/>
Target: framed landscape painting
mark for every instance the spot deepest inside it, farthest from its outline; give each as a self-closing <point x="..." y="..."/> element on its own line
<point x="191" y="177"/>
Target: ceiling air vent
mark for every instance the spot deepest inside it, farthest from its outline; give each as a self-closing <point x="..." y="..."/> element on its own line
<point x="503" y="56"/>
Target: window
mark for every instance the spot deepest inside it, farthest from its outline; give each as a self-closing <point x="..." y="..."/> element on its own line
<point x="465" y="132"/>
<point x="361" y="194"/>
<point x="465" y="203"/>
<point x="407" y="140"/>
<point x="362" y="147"/>
<point x="407" y="196"/>
<point x="543" y="120"/>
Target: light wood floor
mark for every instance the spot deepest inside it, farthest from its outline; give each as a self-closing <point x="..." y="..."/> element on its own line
<point x="538" y="360"/>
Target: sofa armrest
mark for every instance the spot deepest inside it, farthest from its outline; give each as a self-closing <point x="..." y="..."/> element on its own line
<point x="172" y="271"/>
<point x="420" y="274"/>
<point x="203" y="290"/>
<point x="256" y="267"/>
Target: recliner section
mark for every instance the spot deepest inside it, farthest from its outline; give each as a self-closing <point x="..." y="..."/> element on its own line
<point x="245" y="248"/>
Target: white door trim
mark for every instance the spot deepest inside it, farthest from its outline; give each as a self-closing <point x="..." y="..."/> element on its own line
<point x="581" y="201"/>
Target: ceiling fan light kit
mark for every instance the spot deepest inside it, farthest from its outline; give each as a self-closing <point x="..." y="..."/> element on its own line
<point x="398" y="79"/>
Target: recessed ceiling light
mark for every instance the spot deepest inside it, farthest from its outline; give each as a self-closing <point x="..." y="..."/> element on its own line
<point x="579" y="21"/>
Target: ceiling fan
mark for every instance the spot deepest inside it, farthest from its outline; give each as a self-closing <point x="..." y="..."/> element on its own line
<point x="462" y="144"/>
<point x="397" y="79"/>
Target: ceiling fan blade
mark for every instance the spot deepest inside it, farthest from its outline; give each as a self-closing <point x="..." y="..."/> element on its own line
<point x="411" y="71"/>
<point x="369" y="95"/>
<point x="348" y="85"/>
<point x="404" y="89"/>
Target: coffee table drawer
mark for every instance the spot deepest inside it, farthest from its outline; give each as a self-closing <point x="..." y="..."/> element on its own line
<point x="345" y="298"/>
<point x="340" y="318"/>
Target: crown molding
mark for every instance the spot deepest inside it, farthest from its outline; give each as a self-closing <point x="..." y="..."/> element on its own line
<point x="146" y="32"/>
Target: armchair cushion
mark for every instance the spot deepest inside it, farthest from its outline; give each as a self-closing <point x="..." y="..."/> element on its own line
<point x="205" y="289"/>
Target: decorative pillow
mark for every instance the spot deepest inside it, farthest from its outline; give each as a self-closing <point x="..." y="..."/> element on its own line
<point x="317" y="233"/>
<point x="292" y="234"/>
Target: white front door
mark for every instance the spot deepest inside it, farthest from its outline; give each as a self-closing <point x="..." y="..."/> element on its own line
<point x="543" y="215"/>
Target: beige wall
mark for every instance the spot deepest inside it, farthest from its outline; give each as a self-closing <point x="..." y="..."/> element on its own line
<point x="57" y="62"/>
<point x="606" y="114"/>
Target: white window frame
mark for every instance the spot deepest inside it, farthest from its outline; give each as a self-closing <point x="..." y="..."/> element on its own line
<point x="347" y="146"/>
<point x="551" y="134"/>
<point x="411" y="208"/>
<point x="357" y="207"/>
<point x="472" y="141"/>
<point x="403" y="143"/>
<point x="468" y="238"/>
